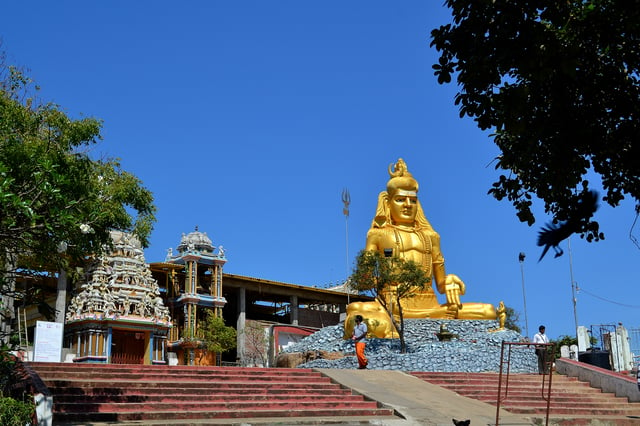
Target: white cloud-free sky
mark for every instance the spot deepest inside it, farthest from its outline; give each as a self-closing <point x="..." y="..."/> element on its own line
<point x="249" y="118"/>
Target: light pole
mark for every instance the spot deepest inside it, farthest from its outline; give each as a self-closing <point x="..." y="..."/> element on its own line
<point x="574" y="289"/>
<point x="521" y="257"/>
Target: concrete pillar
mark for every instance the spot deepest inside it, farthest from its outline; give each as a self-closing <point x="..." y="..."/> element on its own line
<point x="240" y="324"/>
<point x="584" y="342"/>
<point x="294" y="310"/>
<point x="625" y="348"/>
<point x="61" y="297"/>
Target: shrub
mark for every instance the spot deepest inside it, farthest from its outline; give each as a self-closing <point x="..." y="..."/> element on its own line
<point x="15" y="413"/>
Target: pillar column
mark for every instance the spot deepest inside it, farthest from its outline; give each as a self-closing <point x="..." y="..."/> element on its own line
<point x="61" y="297"/>
<point x="294" y="310"/>
<point x="240" y="324"/>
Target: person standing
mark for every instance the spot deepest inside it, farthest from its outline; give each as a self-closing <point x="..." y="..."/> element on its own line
<point x="541" y="351"/>
<point x="359" y="335"/>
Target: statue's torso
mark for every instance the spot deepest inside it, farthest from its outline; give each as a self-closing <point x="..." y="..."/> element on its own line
<point x="418" y="245"/>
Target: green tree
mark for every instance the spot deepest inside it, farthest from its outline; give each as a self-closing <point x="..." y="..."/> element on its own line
<point x="256" y="343"/>
<point x="512" y="320"/>
<point x="557" y="83"/>
<point x="375" y="273"/>
<point x="216" y="336"/>
<point x="57" y="203"/>
<point x="568" y="341"/>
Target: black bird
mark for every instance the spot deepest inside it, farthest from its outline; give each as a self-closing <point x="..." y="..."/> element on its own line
<point x="552" y="234"/>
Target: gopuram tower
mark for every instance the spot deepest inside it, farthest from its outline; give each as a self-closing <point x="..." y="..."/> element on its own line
<point x="118" y="316"/>
<point x="193" y="281"/>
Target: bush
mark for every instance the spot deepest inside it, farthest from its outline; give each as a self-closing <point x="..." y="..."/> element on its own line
<point x="15" y="413"/>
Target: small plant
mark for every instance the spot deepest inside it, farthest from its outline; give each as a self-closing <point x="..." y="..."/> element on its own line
<point x="15" y="413"/>
<point x="12" y="411"/>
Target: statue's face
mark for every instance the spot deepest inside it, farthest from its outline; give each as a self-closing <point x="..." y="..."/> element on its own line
<point x="403" y="207"/>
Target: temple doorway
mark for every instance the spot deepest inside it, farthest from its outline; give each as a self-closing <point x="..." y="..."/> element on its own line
<point x="127" y="347"/>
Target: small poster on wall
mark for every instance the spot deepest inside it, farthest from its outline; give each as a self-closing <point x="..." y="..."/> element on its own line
<point x="48" y="345"/>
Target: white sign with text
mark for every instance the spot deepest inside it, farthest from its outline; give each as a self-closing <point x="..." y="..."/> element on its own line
<point x="48" y="346"/>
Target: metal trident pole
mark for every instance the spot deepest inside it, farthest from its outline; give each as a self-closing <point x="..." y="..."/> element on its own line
<point x="346" y="200"/>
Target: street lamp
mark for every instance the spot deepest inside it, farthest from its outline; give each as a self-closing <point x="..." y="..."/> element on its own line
<point x="521" y="257"/>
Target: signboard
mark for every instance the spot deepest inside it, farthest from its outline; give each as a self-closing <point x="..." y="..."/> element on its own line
<point x="48" y="345"/>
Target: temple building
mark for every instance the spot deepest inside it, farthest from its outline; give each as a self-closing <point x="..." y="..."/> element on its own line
<point x="123" y="310"/>
<point x="118" y="315"/>
<point x="192" y="286"/>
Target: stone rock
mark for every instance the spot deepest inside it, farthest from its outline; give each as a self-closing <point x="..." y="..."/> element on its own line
<point x="475" y="346"/>
<point x="294" y="359"/>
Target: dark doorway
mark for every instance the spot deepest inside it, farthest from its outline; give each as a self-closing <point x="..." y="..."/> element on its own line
<point x="127" y="347"/>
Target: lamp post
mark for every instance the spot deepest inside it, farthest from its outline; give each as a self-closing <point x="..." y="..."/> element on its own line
<point x="521" y="257"/>
<point x="574" y="289"/>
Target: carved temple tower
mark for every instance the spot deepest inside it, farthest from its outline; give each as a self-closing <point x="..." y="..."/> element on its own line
<point x="118" y="316"/>
<point x="193" y="279"/>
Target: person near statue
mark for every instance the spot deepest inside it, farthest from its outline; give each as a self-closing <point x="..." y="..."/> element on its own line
<point x="541" y="351"/>
<point x="359" y="335"/>
<point x="400" y="228"/>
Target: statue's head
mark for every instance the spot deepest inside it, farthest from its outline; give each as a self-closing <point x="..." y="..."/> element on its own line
<point x="402" y="190"/>
<point x="399" y="204"/>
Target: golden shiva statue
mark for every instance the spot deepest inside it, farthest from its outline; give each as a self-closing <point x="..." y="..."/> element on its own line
<point x="401" y="229"/>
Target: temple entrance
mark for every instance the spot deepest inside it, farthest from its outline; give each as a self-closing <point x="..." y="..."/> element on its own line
<point x="127" y="347"/>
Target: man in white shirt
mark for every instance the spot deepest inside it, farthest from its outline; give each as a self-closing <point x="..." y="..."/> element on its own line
<point x="359" y="334"/>
<point x="541" y="351"/>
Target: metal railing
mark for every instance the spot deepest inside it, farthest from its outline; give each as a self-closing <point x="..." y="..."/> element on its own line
<point x="548" y="364"/>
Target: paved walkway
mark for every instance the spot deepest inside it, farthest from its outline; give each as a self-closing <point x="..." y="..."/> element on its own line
<point x="419" y="402"/>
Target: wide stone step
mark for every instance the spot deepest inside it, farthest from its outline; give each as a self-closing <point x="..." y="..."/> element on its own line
<point x="198" y="392"/>
<point x="183" y="378"/>
<point x="539" y="402"/>
<point x="116" y="384"/>
<point x="567" y="411"/>
<point x="176" y="399"/>
<point x="557" y="400"/>
<point x="100" y="371"/>
<point x="43" y="367"/>
<point x="255" y="412"/>
<point x="112" y="394"/>
<point x="571" y="399"/>
<point x="289" y="404"/>
<point x="555" y="391"/>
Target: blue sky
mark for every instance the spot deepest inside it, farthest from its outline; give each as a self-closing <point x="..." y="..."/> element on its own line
<point x="249" y="118"/>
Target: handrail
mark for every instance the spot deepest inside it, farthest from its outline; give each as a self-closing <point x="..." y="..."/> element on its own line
<point x="550" y="347"/>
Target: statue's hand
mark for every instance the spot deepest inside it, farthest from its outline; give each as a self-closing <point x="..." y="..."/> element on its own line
<point x="454" y="287"/>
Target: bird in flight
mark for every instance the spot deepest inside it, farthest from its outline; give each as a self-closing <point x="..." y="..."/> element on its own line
<point x="553" y="234"/>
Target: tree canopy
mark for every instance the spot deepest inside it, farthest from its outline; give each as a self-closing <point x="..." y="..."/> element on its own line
<point x="216" y="336"/>
<point x="557" y="84"/>
<point x="375" y="274"/>
<point x="56" y="202"/>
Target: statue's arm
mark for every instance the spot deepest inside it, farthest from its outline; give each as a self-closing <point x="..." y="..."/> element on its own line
<point x="373" y="240"/>
<point x="439" y="274"/>
<point x="450" y="285"/>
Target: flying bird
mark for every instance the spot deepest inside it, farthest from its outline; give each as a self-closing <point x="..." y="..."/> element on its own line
<point x="552" y="234"/>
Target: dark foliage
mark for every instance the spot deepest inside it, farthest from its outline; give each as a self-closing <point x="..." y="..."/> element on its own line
<point x="557" y="82"/>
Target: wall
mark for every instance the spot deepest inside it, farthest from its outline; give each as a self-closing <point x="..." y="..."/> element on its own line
<point x="608" y="381"/>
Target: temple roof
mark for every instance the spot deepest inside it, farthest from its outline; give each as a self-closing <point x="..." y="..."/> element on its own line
<point x="196" y="240"/>
<point x="196" y="245"/>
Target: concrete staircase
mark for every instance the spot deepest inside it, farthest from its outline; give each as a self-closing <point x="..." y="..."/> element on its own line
<point x="572" y="402"/>
<point x="96" y="393"/>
